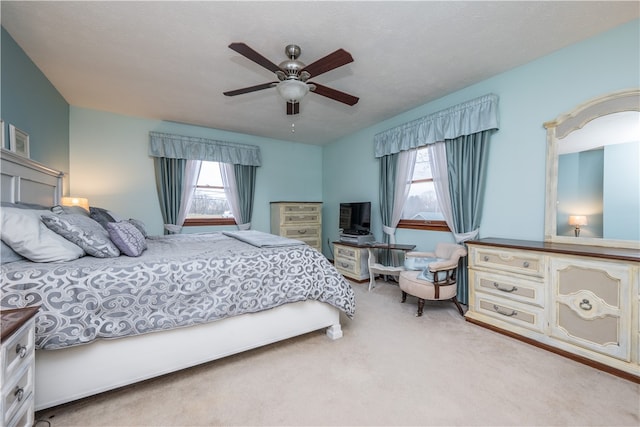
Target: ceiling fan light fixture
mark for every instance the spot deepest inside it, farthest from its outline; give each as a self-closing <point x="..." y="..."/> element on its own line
<point x="292" y="90"/>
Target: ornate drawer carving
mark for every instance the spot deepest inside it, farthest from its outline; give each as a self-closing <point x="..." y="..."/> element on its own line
<point x="521" y="262"/>
<point x="591" y="306"/>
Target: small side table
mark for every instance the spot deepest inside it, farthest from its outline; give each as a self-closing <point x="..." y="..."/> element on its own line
<point x="387" y="270"/>
<point x="17" y="356"/>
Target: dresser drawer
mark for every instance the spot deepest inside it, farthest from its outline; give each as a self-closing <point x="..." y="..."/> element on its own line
<point x="302" y="208"/>
<point x="15" y="395"/>
<point x="526" y="291"/>
<point x="528" y="263"/>
<point x="301" y="232"/>
<point x="510" y="312"/>
<point x="17" y="351"/>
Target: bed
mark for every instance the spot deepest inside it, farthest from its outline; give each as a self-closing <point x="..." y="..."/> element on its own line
<point x="186" y="300"/>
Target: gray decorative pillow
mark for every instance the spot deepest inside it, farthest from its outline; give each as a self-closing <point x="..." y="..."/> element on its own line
<point x="139" y="225"/>
<point x="102" y="216"/>
<point x="84" y="232"/>
<point x="127" y="238"/>
<point x="62" y="210"/>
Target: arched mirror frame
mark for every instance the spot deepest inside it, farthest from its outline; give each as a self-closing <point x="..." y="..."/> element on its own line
<point x="563" y="125"/>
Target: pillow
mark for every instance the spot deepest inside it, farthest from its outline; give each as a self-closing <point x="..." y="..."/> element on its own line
<point x="127" y="238"/>
<point x="27" y="235"/>
<point x="61" y="210"/>
<point x="139" y="225"/>
<point x="8" y="255"/>
<point x="418" y="263"/>
<point x="429" y="276"/>
<point x="102" y="216"/>
<point x="84" y="232"/>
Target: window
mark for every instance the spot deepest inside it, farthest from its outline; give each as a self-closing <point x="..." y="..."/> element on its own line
<point x="421" y="210"/>
<point x="209" y="205"/>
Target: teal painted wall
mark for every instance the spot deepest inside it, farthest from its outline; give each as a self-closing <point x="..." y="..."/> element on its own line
<point x="529" y="96"/>
<point x="31" y="103"/>
<point x="111" y="167"/>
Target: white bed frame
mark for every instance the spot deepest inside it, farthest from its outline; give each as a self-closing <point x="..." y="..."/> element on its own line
<point x="68" y="374"/>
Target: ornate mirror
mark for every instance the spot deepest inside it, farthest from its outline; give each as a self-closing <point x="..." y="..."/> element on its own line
<point x="593" y="173"/>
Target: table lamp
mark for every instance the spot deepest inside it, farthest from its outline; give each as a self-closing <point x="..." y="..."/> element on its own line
<point x="577" y="221"/>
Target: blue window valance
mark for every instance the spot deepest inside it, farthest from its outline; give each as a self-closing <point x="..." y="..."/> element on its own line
<point x="470" y="117"/>
<point x="192" y="148"/>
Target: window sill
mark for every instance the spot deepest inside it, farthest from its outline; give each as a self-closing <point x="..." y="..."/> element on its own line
<point x="424" y="225"/>
<point x="193" y="222"/>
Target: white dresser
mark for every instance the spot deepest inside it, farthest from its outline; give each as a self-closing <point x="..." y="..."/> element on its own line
<point x="17" y="357"/>
<point x="351" y="260"/>
<point x="579" y="301"/>
<point x="298" y="220"/>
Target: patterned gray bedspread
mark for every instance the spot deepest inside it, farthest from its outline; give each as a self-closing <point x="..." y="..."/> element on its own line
<point x="180" y="280"/>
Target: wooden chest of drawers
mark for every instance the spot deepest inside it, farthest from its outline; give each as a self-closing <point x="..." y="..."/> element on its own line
<point x="579" y="301"/>
<point x="17" y="357"/>
<point x="298" y="220"/>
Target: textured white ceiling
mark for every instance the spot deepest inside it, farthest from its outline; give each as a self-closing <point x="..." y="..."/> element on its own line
<point x="169" y="60"/>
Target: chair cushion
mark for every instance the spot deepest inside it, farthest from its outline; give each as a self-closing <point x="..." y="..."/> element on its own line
<point x="411" y="284"/>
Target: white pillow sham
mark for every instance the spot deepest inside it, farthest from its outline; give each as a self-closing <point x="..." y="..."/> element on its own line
<point x="23" y="231"/>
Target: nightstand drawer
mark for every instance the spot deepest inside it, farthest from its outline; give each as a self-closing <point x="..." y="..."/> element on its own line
<point x="18" y="350"/>
<point x="510" y="312"/>
<point x="16" y="395"/>
<point x="346" y="265"/>
<point x="347" y="252"/>
<point x="25" y="415"/>
<point x="514" y="261"/>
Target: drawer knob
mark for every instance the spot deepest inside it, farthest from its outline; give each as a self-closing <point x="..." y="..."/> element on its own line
<point x="585" y="305"/>
<point x="504" y="313"/>
<point x="302" y="231"/>
<point x="344" y="264"/>
<point x="19" y="393"/>
<point x="21" y="350"/>
<point x="485" y="258"/>
<point x="497" y="286"/>
<point x="525" y="264"/>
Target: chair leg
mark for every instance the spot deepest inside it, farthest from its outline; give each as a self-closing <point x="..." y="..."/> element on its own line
<point x="420" y="307"/>
<point x="455" y="300"/>
<point x="404" y="296"/>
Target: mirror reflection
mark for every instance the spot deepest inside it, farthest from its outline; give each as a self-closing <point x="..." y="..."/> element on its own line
<point x="598" y="181"/>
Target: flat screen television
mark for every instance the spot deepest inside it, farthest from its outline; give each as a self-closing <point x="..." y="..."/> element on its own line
<point x="355" y="218"/>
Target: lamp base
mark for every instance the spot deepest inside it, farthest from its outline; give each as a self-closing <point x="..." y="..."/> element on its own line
<point x="576" y="231"/>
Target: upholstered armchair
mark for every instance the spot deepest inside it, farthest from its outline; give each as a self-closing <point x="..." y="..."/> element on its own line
<point x="432" y="275"/>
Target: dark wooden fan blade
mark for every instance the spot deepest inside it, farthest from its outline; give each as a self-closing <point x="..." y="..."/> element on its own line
<point x="251" y="54"/>
<point x="334" y="60"/>
<point x="334" y="94"/>
<point x="250" y="89"/>
<point x="293" y="108"/>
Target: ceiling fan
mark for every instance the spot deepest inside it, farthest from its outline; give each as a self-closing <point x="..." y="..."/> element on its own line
<point x="293" y="75"/>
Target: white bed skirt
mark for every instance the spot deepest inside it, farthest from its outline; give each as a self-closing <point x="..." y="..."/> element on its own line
<point x="68" y="374"/>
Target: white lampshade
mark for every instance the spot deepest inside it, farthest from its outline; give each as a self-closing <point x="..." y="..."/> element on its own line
<point x="577" y="220"/>
<point x="292" y="90"/>
<point x="75" y="201"/>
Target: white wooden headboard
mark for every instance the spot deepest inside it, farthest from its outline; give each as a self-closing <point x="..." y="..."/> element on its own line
<point x="27" y="181"/>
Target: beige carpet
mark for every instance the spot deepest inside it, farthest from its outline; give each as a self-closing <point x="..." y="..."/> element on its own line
<point x="390" y="368"/>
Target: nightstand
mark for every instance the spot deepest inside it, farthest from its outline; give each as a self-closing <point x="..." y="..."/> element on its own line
<point x="17" y="357"/>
